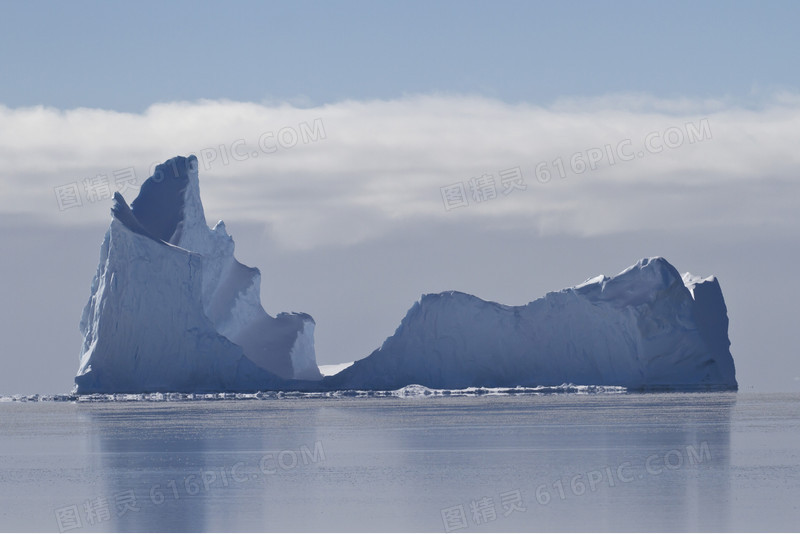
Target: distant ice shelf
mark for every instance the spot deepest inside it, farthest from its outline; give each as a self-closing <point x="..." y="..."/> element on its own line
<point x="411" y="391"/>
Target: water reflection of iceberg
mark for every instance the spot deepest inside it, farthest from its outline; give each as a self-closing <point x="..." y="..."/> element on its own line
<point x="396" y="463"/>
<point x="200" y="466"/>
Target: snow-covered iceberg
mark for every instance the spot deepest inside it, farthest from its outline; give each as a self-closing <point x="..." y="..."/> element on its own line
<point x="171" y="309"/>
<point x="646" y="328"/>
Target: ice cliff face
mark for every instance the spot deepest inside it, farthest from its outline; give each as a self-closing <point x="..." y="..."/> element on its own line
<point x="172" y="310"/>
<point x="646" y="328"/>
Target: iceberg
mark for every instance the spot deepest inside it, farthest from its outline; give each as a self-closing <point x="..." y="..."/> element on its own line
<point x="648" y="328"/>
<point x="172" y="310"/>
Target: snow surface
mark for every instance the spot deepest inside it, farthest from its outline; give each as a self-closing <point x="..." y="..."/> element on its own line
<point x="330" y="370"/>
<point x="172" y="310"/>
<point x="645" y="328"/>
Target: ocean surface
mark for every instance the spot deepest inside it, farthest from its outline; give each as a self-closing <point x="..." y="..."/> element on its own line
<point x="523" y="462"/>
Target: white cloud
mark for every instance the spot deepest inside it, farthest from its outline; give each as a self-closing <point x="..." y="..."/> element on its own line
<point x="342" y="173"/>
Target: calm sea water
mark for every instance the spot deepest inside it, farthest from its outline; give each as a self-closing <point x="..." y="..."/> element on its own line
<point x="656" y="462"/>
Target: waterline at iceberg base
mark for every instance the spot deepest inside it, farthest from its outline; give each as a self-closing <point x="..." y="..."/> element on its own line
<point x="172" y="310"/>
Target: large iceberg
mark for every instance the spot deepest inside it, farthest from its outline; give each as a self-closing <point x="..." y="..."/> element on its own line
<point x="171" y="309"/>
<point x="646" y="328"/>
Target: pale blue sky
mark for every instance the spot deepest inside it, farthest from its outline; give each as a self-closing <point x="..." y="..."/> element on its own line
<point x="126" y="56"/>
